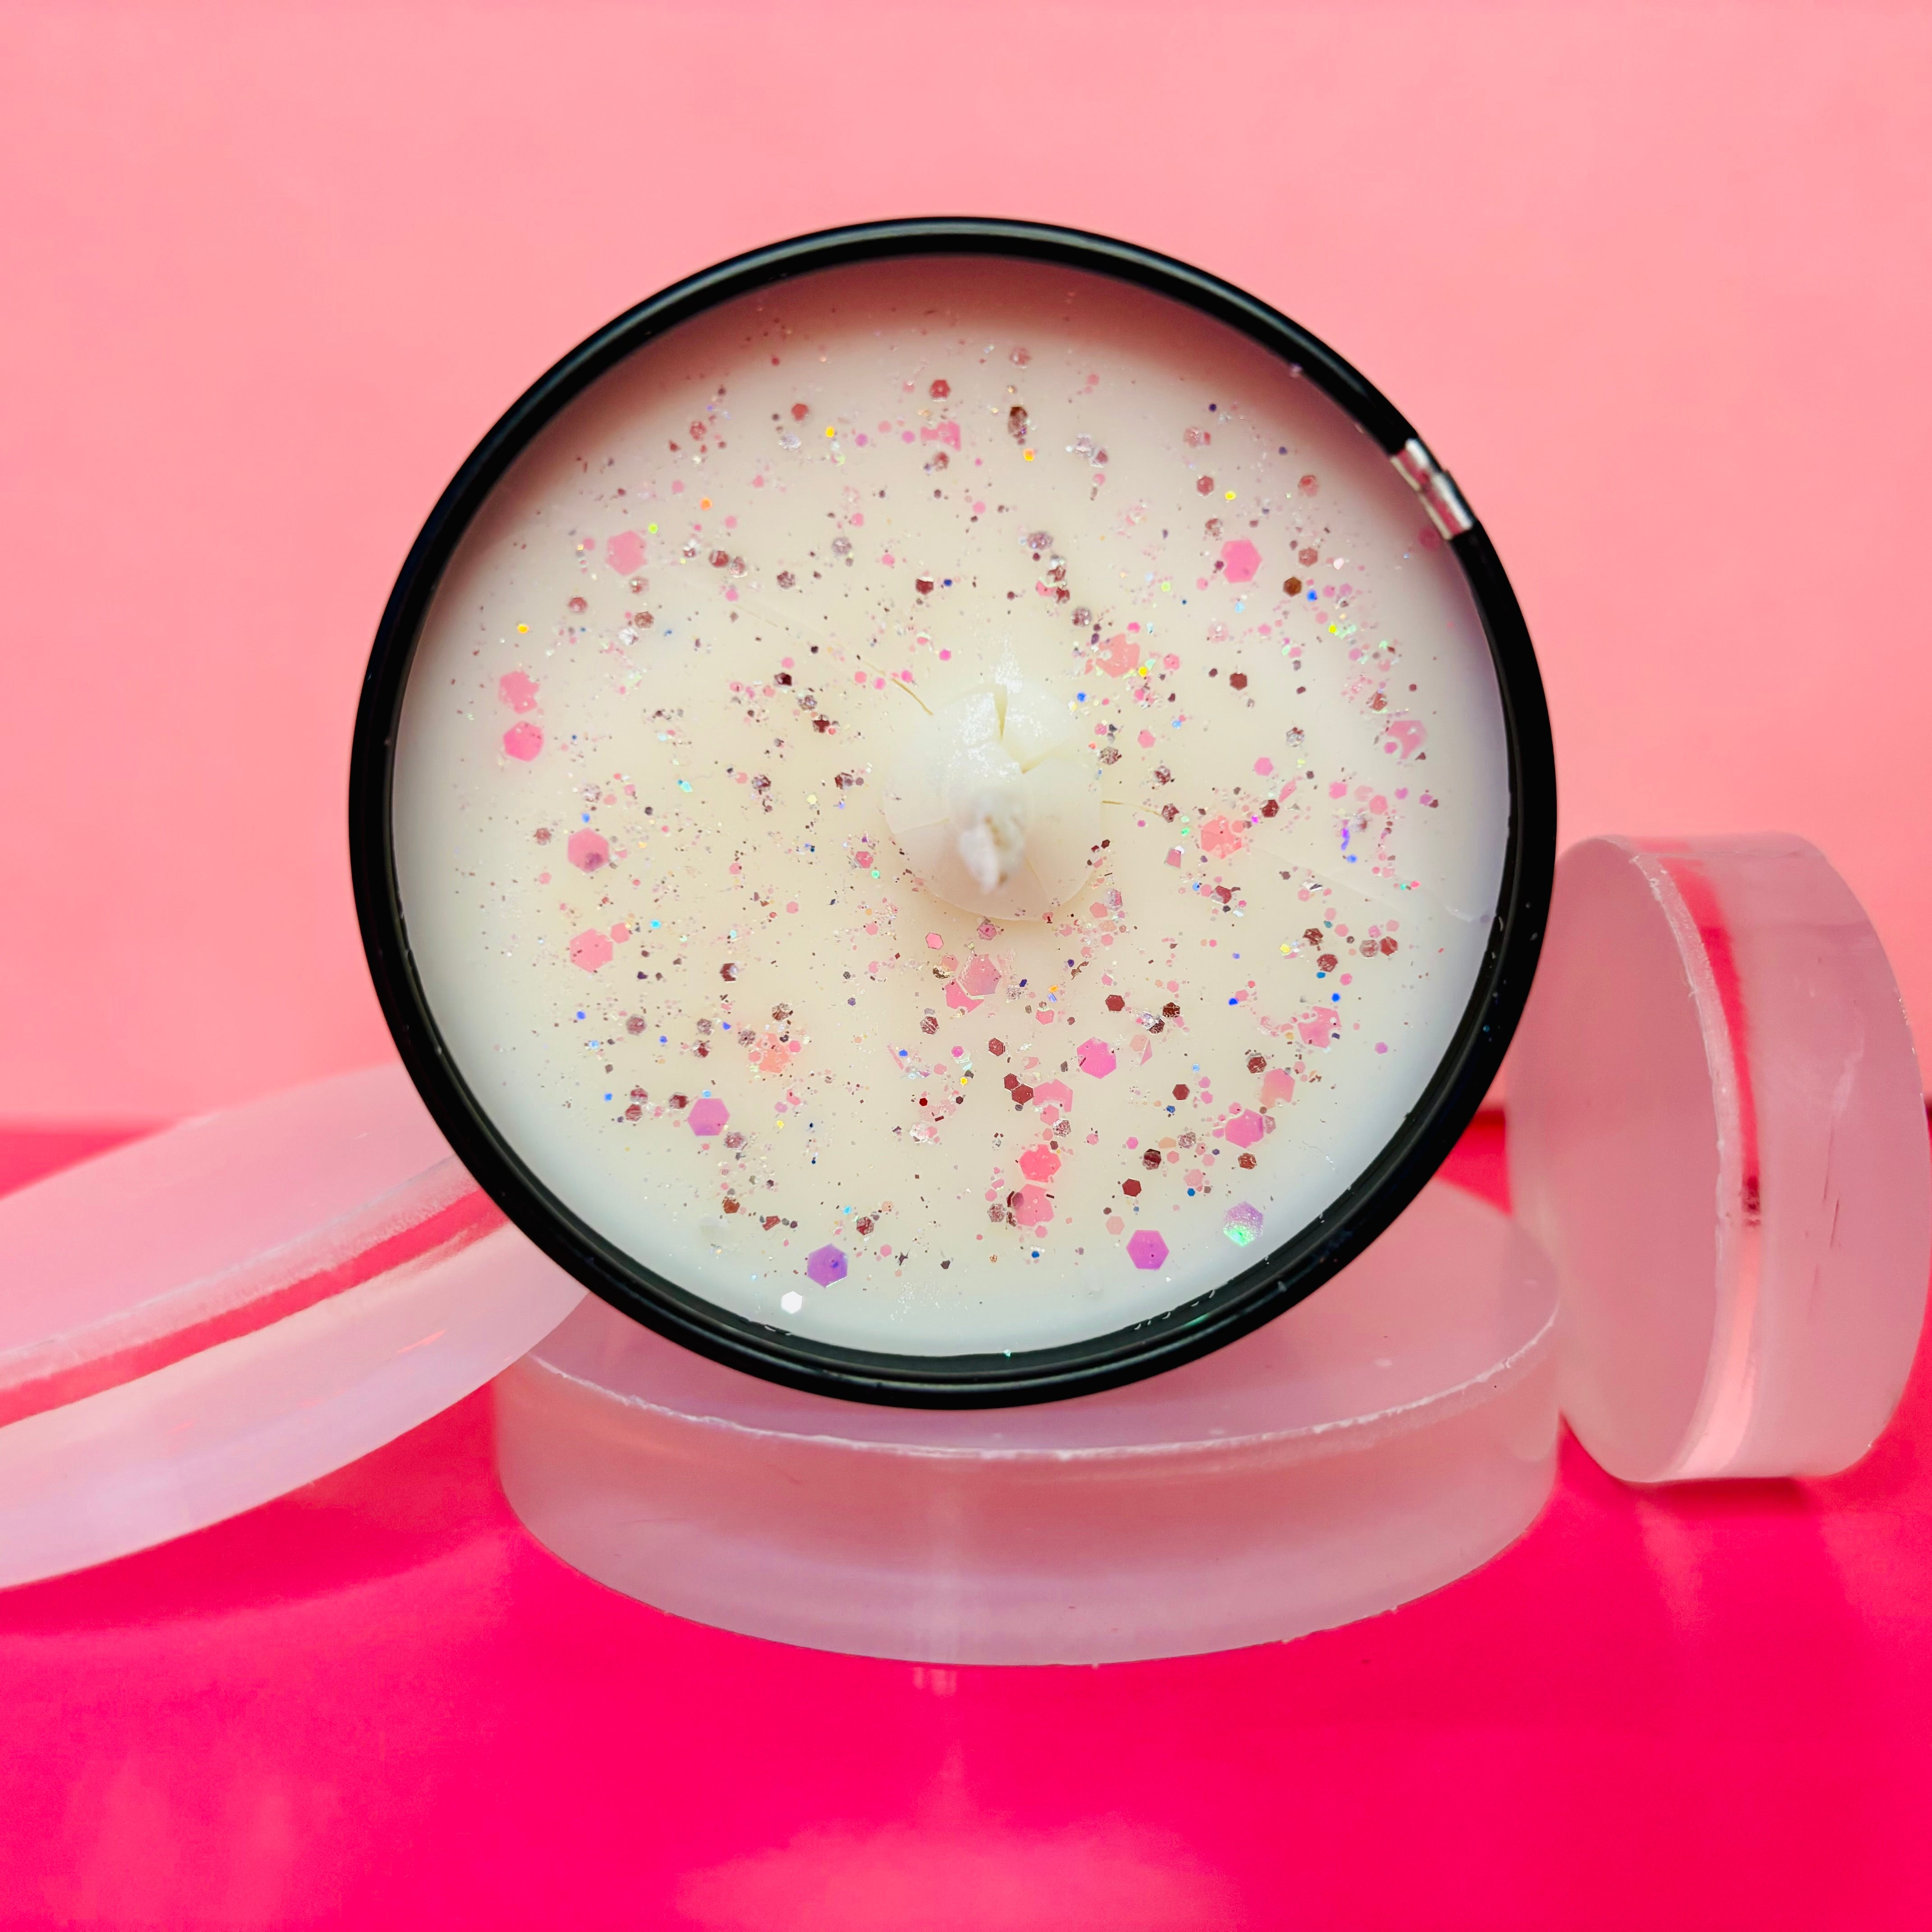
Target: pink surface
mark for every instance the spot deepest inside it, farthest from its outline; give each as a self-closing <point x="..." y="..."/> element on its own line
<point x="379" y="1702"/>
<point x="1654" y="282"/>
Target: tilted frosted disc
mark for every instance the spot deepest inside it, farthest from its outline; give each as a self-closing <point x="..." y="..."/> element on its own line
<point x="1717" y="1130"/>
<point x="196" y="1323"/>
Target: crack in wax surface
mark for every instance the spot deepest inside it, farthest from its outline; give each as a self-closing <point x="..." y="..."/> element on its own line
<point x="643" y="837"/>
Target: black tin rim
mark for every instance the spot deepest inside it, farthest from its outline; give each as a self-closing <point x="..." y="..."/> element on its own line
<point x="1277" y="1281"/>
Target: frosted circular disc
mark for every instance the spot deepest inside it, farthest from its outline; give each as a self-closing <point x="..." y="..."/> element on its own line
<point x="202" y="1321"/>
<point x="1717" y="1131"/>
<point x="1377" y="1442"/>
<point x="992" y="1069"/>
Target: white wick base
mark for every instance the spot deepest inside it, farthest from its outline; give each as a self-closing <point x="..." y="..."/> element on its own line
<point x="1391" y="1433"/>
<point x="995" y="803"/>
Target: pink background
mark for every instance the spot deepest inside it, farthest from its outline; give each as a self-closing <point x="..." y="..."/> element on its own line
<point x="1654" y="282"/>
<point x="379" y="1702"/>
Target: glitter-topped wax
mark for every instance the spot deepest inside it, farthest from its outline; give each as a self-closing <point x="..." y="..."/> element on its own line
<point x="945" y="807"/>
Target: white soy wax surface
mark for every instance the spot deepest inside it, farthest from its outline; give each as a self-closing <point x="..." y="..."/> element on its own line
<point x="671" y="942"/>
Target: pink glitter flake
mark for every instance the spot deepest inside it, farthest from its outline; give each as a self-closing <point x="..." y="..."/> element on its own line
<point x="957" y="998"/>
<point x="1034" y="1207"/>
<point x="1277" y="1087"/>
<point x="1096" y="1058"/>
<point x="1246" y="1128"/>
<point x="624" y="552"/>
<point x="1239" y="560"/>
<point x="708" y="1118"/>
<point x="518" y="690"/>
<point x="1054" y="1093"/>
<point x="590" y="950"/>
<point x="589" y="851"/>
<point x="1146" y="1250"/>
<point x="1403" y="736"/>
<point x="1117" y="656"/>
<point x="1221" y="838"/>
<point x="1039" y="1163"/>
<point x="981" y="977"/>
<point x="524" y="741"/>
<point x="826" y="1265"/>
<point x="1318" y="1026"/>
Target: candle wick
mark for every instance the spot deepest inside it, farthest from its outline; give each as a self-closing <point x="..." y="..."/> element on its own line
<point x="992" y="800"/>
<point x="993" y="842"/>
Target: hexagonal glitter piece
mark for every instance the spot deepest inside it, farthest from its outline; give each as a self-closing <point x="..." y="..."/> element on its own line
<point x="1242" y="1224"/>
<point x="518" y="690"/>
<point x="1246" y="1128"/>
<point x="590" y="950"/>
<point x="1146" y="1250"/>
<point x="1240" y="561"/>
<point x="1033" y="1206"/>
<point x="1040" y="1164"/>
<point x="589" y="849"/>
<point x="708" y="1117"/>
<point x="826" y="1265"/>
<point x="1096" y="1057"/>
<point x="980" y="977"/>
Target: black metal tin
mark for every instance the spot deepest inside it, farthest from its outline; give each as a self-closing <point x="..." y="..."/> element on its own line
<point x="1275" y="1282"/>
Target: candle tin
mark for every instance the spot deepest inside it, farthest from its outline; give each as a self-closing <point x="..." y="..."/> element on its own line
<point x="1287" y="1263"/>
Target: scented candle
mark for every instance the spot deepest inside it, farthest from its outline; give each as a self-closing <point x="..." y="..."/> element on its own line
<point x="952" y="805"/>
